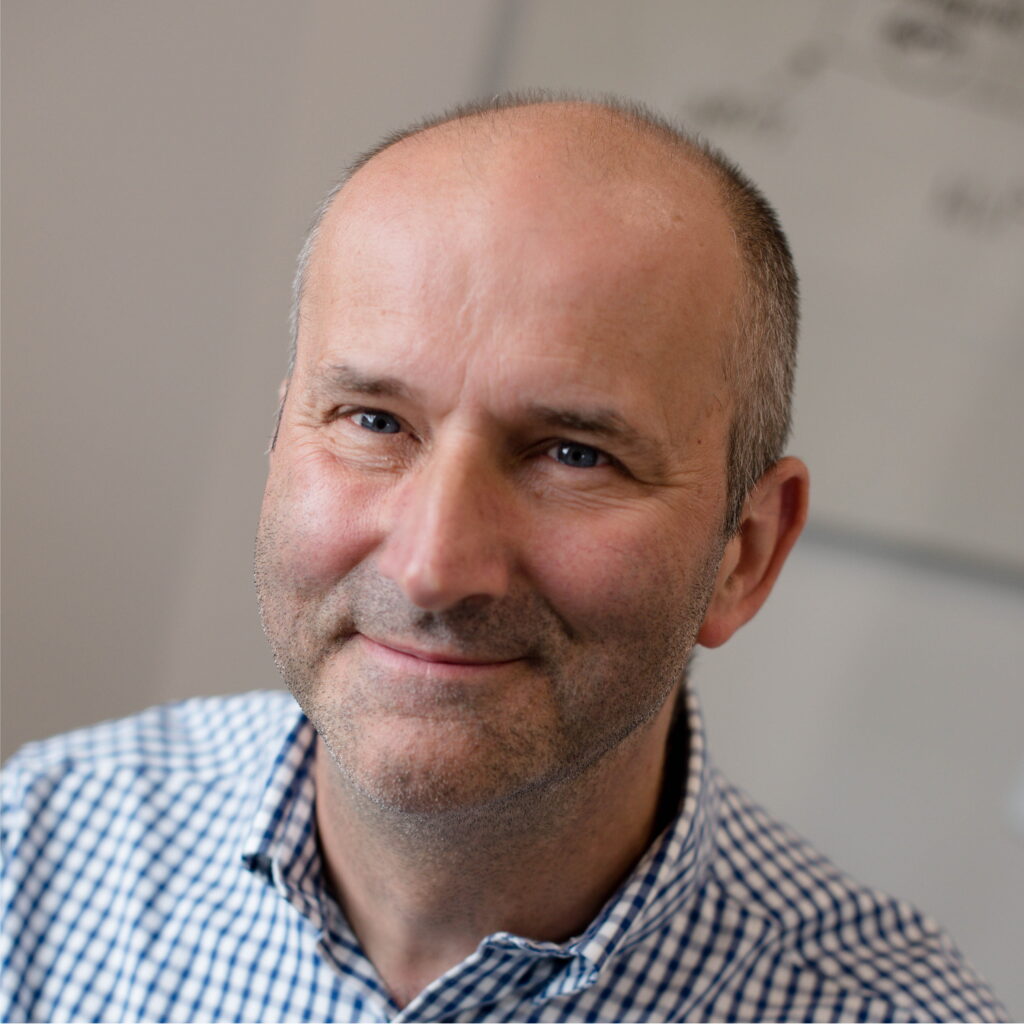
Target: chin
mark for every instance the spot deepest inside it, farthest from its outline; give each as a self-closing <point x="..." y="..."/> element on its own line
<point x="422" y="768"/>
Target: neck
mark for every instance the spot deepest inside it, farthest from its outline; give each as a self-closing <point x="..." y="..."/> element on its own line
<point x="421" y="891"/>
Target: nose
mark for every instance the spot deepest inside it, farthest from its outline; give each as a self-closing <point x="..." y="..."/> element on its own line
<point x="447" y="539"/>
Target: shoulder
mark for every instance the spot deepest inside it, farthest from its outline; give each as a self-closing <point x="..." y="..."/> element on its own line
<point x="125" y="766"/>
<point x="855" y="949"/>
<point x="115" y="834"/>
<point x="202" y="735"/>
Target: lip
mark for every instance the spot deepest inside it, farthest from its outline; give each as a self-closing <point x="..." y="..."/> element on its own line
<point x="440" y="659"/>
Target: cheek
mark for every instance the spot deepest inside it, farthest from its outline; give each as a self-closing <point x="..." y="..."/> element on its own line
<point x="317" y="524"/>
<point x="623" y="574"/>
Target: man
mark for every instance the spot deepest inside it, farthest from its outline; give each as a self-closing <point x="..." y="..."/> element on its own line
<point x="529" y="453"/>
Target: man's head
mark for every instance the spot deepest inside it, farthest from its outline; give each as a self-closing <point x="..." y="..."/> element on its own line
<point x="498" y="513"/>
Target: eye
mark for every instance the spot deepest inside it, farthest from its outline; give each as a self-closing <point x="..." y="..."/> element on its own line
<point x="377" y="422"/>
<point x="579" y="456"/>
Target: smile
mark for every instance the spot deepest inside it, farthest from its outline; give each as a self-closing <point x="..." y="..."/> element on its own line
<point x="409" y="658"/>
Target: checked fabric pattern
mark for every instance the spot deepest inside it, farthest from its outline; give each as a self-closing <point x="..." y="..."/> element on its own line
<point x="165" y="868"/>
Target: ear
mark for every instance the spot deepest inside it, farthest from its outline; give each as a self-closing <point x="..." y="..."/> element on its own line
<point x="773" y="516"/>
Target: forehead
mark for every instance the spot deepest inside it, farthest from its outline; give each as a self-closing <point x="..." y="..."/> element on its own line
<point x="596" y="242"/>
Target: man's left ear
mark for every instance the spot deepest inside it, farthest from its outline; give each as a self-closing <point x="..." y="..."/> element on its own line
<point x="773" y="516"/>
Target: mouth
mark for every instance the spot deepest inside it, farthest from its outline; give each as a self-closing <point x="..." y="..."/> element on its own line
<point x="408" y="657"/>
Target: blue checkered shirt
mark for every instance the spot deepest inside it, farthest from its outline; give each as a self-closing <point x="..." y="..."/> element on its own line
<point x="166" y="868"/>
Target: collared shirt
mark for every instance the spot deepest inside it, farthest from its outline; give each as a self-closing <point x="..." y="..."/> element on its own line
<point x="166" y="868"/>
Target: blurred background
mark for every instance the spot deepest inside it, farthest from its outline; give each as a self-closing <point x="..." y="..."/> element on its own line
<point x="161" y="162"/>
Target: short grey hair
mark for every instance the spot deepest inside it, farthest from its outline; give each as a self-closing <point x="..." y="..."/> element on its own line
<point x="761" y="363"/>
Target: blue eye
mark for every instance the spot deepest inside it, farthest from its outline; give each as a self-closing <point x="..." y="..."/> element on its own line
<point x="378" y="422"/>
<point x="579" y="456"/>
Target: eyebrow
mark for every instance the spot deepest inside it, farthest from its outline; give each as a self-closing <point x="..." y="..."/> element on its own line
<point x="604" y="422"/>
<point x="343" y="377"/>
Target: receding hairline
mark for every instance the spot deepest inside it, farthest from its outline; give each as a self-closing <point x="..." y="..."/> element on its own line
<point x="470" y="123"/>
<point x="588" y="129"/>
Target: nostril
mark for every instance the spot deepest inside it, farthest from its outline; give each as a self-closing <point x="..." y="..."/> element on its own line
<point x="436" y="571"/>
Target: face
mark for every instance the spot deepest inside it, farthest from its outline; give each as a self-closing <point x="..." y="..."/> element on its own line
<point x="493" y="516"/>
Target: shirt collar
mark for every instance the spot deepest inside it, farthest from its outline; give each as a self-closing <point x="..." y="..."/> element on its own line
<point x="281" y="843"/>
<point x="281" y="846"/>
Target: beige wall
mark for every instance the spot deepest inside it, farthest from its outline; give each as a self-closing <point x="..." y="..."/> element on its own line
<point x="161" y="160"/>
